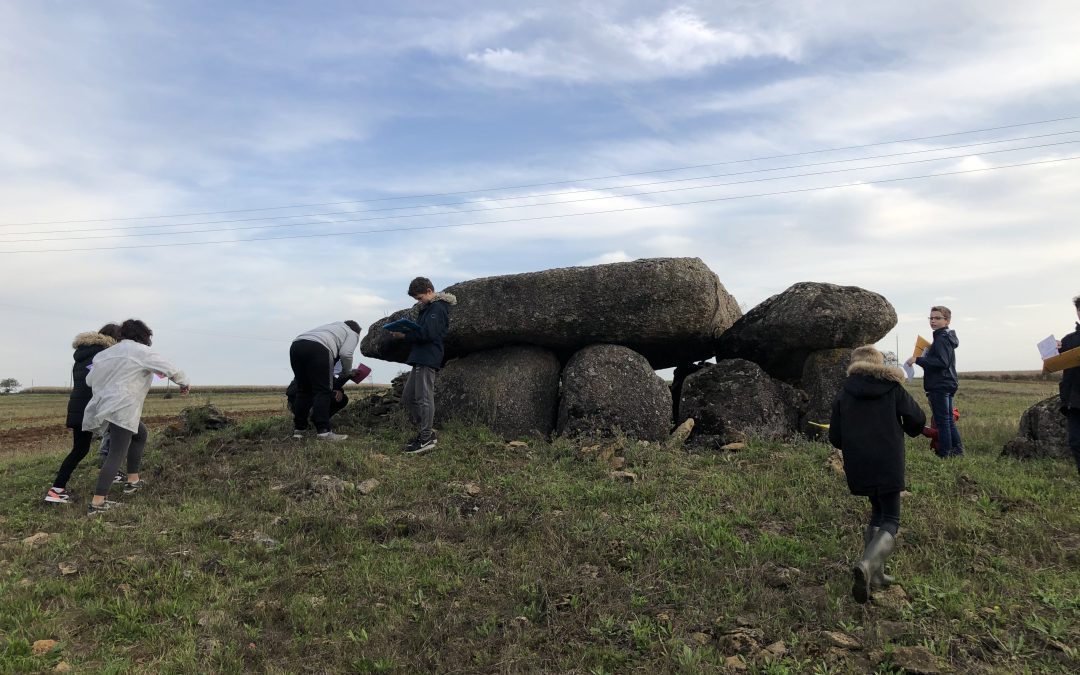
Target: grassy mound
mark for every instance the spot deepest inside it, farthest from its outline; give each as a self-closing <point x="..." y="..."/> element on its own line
<point x="250" y="552"/>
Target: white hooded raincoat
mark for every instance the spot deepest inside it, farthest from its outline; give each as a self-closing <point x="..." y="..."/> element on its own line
<point x="121" y="377"/>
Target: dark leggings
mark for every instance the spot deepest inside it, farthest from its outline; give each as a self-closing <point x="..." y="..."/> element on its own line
<point x="124" y="444"/>
<point x="885" y="512"/>
<point x="313" y="368"/>
<point x="80" y="445"/>
<point x="1072" y="422"/>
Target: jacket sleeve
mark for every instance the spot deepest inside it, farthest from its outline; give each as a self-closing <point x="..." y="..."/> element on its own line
<point x="434" y="328"/>
<point x="933" y="357"/>
<point x="834" y="424"/>
<point x="155" y="362"/>
<point x="911" y="417"/>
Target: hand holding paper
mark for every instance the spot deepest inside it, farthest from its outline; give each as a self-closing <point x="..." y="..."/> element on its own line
<point x="921" y="345"/>
<point x="1048" y="347"/>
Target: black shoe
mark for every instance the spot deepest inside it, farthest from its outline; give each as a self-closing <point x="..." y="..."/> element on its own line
<point x="420" y="446"/>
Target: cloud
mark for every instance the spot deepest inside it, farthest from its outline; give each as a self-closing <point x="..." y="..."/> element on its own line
<point x="604" y="259"/>
<point x="675" y="43"/>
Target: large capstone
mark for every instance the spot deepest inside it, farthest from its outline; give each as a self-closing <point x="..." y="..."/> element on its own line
<point x="671" y="310"/>
<point x="1042" y="432"/>
<point x="512" y="390"/>
<point x="822" y="378"/>
<point x="610" y="389"/>
<point x="734" y="399"/>
<point x="781" y="332"/>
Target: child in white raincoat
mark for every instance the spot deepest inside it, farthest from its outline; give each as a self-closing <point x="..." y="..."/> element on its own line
<point x="120" y="377"/>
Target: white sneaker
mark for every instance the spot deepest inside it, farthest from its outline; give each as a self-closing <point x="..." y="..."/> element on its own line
<point x="331" y="436"/>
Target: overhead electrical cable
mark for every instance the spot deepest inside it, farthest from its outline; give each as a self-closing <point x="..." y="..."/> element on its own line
<point x="560" y="182"/>
<point x="525" y="206"/>
<point x="126" y="228"/>
<point x="551" y="217"/>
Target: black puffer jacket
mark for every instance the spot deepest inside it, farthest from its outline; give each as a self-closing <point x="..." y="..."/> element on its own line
<point x="1070" y="378"/>
<point x="427" y="343"/>
<point x="87" y="346"/>
<point x="870" y="416"/>
<point x="939" y="362"/>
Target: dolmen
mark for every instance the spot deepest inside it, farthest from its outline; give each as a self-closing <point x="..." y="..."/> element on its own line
<point x="574" y="351"/>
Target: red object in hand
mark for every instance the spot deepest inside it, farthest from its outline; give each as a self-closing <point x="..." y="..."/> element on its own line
<point x="931" y="431"/>
<point x="360" y="373"/>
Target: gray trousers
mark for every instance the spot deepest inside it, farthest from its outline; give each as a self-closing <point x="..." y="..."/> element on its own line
<point x="123" y="445"/>
<point x="419" y="399"/>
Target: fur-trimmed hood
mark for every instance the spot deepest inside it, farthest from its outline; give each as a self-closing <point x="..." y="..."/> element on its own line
<point x="448" y="298"/>
<point x="876" y="371"/>
<point x="871" y="380"/>
<point x="92" y="339"/>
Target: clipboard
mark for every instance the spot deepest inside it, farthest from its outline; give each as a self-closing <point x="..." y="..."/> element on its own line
<point x="921" y="345"/>
<point x="402" y="326"/>
<point x="1066" y="359"/>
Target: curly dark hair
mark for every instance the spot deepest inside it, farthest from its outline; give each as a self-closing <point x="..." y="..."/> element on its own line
<point x="1076" y="302"/>
<point x="420" y="285"/>
<point x="136" y="330"/>
<point x="111" y="330"/>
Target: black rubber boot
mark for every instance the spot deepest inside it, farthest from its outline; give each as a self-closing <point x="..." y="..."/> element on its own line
<point x="879" y="580"/>
<point x="873" y="561"/>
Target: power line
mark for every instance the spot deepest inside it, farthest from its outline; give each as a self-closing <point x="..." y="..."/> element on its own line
<point x="552" y="217"/>
<point x="518" y="197"/>
<point x="524" y="206"/>
<point x="560" y="182"/>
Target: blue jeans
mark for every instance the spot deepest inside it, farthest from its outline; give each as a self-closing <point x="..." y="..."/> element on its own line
<point x="941" y="407"/>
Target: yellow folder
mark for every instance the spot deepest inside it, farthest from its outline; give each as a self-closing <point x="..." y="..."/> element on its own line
<point x="1066" y="359"/>
<point x="921" y="345"/>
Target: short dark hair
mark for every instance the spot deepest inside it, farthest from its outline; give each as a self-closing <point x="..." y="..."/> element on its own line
<point x="420" y="285"/>
<point x="945" y="311"/>
<point x="136" y="330"/>
<point x="1076" y="302"/>
<point x="111" y="330"/>
<point x="355" y="326"/>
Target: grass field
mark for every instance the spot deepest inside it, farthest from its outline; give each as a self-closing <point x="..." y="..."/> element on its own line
<point x="250" y="553"/>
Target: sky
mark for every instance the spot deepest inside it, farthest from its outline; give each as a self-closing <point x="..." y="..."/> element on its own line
<point x="780" y="142"/>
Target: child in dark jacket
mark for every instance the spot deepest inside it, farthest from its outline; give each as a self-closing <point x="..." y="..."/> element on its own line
<point x="426" y="358"/>
<point x="1070" y="389"/>
<point x="940" y="381"/>
<point x="870" y="416"/>
<point x="86" y="346"/>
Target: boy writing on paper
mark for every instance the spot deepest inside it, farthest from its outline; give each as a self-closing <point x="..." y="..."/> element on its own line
<point x="426" y="358"/>
<point x="1070" y="389"/>
<point x="938" y="362"/>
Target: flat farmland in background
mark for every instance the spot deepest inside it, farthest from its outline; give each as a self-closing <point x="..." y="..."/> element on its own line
<point x="35" y="422"/>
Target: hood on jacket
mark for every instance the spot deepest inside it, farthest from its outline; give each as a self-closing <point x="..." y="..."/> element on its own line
<point x="448" y="298"/>
<point x="92" y="339"/>
<point x="950" y="335"/>
<point x="871" y="380"/>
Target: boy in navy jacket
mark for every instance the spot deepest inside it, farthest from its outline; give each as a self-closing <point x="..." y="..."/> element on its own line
<point x="940" y="382"/>
<point x="426" y="358"/>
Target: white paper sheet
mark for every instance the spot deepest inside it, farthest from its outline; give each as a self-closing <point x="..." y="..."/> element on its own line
<point x="1048" y="347"/>
<point x="909" y="371"/>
